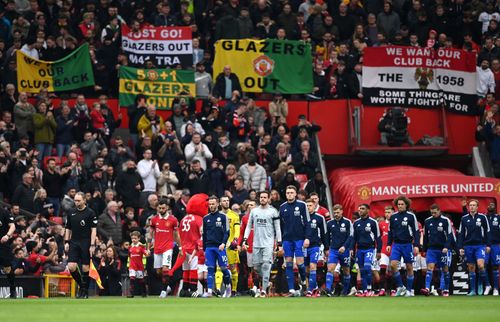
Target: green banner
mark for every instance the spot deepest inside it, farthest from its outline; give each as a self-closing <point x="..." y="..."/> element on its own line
<point x="71" y="72"/>
<point x="160" y="86"/>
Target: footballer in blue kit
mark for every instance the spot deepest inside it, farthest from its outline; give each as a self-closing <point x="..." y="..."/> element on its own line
<point x="339" y="235"/>
<point x="403" y="242"/>
<point x="493" y="258"/>
<point x="473" y="242"/>
<point x="315" y="237"/>
<point x="215" y="235"/>
<point x="294" y="218"/>
<point x="439" y="238"/>
<point x="367" y="240"/>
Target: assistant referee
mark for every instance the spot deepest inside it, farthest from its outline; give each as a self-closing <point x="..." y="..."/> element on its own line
<point x="81" y="230"/>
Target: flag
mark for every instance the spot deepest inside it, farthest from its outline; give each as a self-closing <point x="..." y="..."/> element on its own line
<point x="160" y="86"/>
<point x="268" y="65"/>
<point x="95" y="275"/>
<point x="71" y="72"/>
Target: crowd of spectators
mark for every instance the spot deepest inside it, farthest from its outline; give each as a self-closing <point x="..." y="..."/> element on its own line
<point x="231" y="148"/>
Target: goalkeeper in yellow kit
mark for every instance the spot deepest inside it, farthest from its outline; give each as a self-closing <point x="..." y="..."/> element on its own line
<point x="233" y="257"/>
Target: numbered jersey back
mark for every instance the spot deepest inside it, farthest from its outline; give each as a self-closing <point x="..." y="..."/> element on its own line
<point x="190" y="232"/>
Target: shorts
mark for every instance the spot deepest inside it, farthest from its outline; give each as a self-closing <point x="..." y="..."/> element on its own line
<point x="136" y="274"/>
<point x="364" y="257"/>
<point x="474" y="253"/>
<point x="214" y="256"/>
<point x="312" y="255"/>
<point x="6" y="256"/>
<point x="202" y="268"/>
<point x="162" y="260"/>
<point x="262" y="255"/>
<point x="249" y="259"/>
<point x="419" y="263"/>
<point x="79" y="252"/>
<point x="384" y="261"/>
<point x="190" y="263"/>
<point x="343" y="259"/>
<point x="233" y="257"/>
<point x="293" y="248"/>
<point x="436" y="256"/>
<point x="494" y="256"/>
<point x="404" y="251"/>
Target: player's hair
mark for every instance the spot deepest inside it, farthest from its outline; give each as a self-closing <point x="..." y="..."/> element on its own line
<point x="294" y="188"/>
<point x="222" y="197"/>
<point x="404" y="199"/>
<point x="338" y="207"/>
<point x="388" y="208"/>
<point x="135" y="234"/>
<point x="164" y="201"/>
<point x="213" y="197"/>
<point x="473" y="200"/>
<point x="266" y="192"/>
<point x="309" y="200"/>
<point x="81" y="194"/>
<point x="434" y="206"/>
<point x="367" y="206"/>
<point x="313" y="194"/>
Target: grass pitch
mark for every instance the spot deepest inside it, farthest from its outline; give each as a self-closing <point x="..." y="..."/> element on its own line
<point x="242" y="309"/>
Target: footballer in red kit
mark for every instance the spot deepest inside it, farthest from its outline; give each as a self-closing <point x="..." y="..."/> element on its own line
<point x="320" y="210"/>
<point x="190" y="234"/>
<point x="164" y="231"/>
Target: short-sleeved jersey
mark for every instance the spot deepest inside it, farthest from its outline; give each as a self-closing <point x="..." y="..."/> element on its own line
<point x="136" y="254"/>
<point x="234" y="226"/>
<point x="164" y="229"/>
<point x="384" y="235"/>
<point x="5" y="220"/>
<point x="190" y="232"/>
<point x="81" y="222"/>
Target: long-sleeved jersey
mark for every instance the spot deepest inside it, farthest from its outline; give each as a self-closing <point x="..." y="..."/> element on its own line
<point x="340" y="233"/>
<point x="367" y="234"/>
<point x="215" y="229"/>
<point x="316" y="230"/>
<point x="494" y="221"/>
<point x="266" y="226"/>
<point x="474" y="230"/>
<point x="294" y="217"/>
<point x="403" y="229"/>
<point x="438" y="233"/>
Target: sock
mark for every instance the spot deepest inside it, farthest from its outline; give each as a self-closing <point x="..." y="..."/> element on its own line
<point x="193" y="276"/>
<point x="446" y="281"/>
<point x="484" y="278"/>
<point x="289" y="276"/>
<point x="495" y="278"/>
<point x="369" y="277"/>
<point x="226" y="276"/>
<point x="266" y="273"/>
<point x="186" y="280"/>
<point x="255" y="277"/>
<point x="211" y="278"/>
<point x="347" y="284"/>
<point x="234" y="278"/>
<point x="441" y="281"/>
<point x="329" y="281"/>
<point x="132" y="288"/>
<point x="77" y="277"/>
<point x="472" y="281"/>
<point x="85" y="280"/>
<point x="410" y="279"/>
<point x="203" y="283"/>
<point x="302" y="272"/>
<point x="312" y="280"/>
<point x="363" y="279"/>
<point x="165" y="279"/>
<point x="428" y="279"/>
<point x="383" y="280"/>
<point x="397" y="279"/>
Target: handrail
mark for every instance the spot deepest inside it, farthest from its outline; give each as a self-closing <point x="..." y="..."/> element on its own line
<point x="323" y="172"/>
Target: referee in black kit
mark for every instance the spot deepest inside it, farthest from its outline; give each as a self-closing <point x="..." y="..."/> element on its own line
<point x="7" y="228"/>
<point x="81" y="231"/>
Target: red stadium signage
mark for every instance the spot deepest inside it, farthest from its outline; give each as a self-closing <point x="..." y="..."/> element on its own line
<point x="420" y="77"/>
<point x="164" y="46"/>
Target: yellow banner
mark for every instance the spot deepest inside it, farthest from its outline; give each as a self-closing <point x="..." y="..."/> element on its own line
<point x="33" y="74"/>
